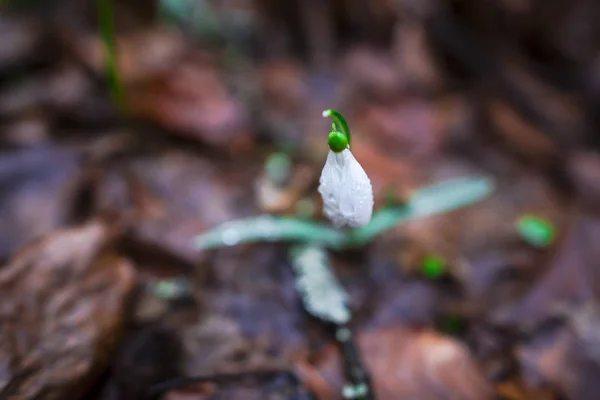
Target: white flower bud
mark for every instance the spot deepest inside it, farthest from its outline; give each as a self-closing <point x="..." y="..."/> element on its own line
<point x="346" y="190"/>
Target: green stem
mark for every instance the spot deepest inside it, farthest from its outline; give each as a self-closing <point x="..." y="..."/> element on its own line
<point x="340" y="123"/>
<point x="107" y="31"/>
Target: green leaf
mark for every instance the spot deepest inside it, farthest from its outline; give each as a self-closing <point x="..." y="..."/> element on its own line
<point x="449" y="195"/>
<point x="536" y="231"/>
<point x="435" y="199"/>
<point x="267" y="228"/>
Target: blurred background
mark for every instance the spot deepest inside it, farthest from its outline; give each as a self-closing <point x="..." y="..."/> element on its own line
<point x="207" y="111"/>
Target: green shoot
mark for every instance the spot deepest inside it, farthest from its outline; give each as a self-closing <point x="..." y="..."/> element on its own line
<point x="536" y="231"/>
<point x="108" y="34"/>
<point x="433" y="267"/>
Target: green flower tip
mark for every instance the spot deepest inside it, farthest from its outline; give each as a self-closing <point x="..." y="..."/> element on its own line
<point x="536" y="231"/>
<point x="339" y="138"/>
<point x="433" y="267"/>
<point x="337" y="142"/>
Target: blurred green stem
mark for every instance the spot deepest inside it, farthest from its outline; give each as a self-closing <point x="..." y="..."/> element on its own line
<point x="107" y="32"/>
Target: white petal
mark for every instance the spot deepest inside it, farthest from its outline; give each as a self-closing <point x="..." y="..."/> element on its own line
<point x="346" y="190"/>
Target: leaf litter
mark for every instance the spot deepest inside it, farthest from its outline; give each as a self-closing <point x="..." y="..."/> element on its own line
<point x="105" y="294"/>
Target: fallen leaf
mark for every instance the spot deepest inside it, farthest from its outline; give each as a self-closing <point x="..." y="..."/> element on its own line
<point x="192" y="100"/>
<point x="414" y="364"/>
<point x="422" y="365"/>
<point x="61" y="306"/>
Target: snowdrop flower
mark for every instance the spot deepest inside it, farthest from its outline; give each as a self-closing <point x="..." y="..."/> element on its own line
<point x="344" y="185"/>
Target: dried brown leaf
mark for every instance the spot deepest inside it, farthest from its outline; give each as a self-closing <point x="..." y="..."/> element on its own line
<point x="192" y="100"/>
<point x="61" y="312"/>
<point x="413" y="364"/>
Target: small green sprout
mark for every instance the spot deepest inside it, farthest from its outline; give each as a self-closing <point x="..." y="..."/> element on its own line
<point x="536" y="231"/>
<point x="433" y="267"/>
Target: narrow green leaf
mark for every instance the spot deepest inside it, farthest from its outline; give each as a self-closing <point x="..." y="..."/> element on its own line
<point x="267" y="228"/>
<point x="449" y="195"/>
<point x="434" y="199"/>
<point x="536" y="231"/>
<point x="107" y="32"/>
